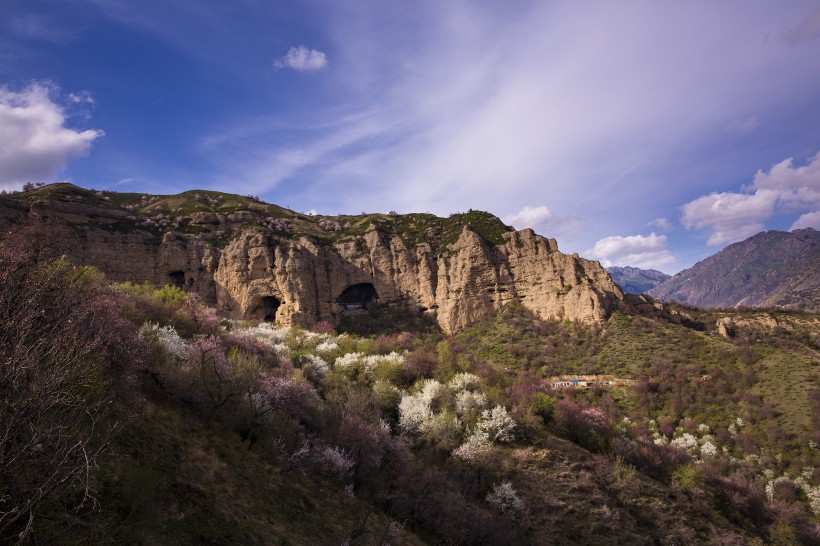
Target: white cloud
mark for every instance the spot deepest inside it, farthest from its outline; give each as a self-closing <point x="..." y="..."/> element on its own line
<point x="303" y="59"/>
<point x="797" y="187"/>
<point x="529" y="217"/>
<point x="742" y="126"/>
<point x="731" y="216"/>
<point x="735" y="216"/>
<point x="808" y="220"/>
<point x="661" y="223"/>
<point x="34" y="140"/>
<point x="634" y="250"/>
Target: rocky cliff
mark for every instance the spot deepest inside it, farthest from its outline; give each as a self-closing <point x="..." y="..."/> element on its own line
<point x="284" y="268"/>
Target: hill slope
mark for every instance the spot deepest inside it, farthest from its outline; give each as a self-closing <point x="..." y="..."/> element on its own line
<point x="775" y="269"/>
<point x="253" y="260"/>
<point x="209" y="431"/>
<point x="635" y="280"/>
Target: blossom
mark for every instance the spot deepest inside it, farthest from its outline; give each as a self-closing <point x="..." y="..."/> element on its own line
<point x="414" y="411"/>
<point x="477" y="443"/>
<point x="685" y="441"/>
<point x="504" y="497"/>
<point x="470" y="402"/>
<point x="708" y="449"/>
<point x="348" y="360"/>
<point x="327" y="346"/>
<point x="208" y="350"/>
<point x="497" y="424"/>
<point x="315" y="367"/>
<point x="167" y="338"/>
<point x="596" y="419"/>
<point x="464" y="382"/>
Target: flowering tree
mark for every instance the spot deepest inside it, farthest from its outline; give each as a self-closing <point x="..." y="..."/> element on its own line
<point x="416" y="409"/>
<point x="504" y="497"/>
<point x="497" y="424"/>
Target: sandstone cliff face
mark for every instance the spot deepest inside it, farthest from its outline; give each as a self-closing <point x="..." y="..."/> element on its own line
<point x="259" y="276"/>
<point x="458" y="287"/>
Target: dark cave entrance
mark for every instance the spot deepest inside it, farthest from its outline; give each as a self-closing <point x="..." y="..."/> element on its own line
<point x="177" y="278"/>
<point x="266" y="308"/>
<point x="357" y="296"/>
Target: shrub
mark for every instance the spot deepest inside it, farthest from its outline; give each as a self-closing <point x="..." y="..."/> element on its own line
<point x="543" y="405"/>
<point x="443" y="431"/>
<point x="504" y="497"/>
<point x="62" y="342"/>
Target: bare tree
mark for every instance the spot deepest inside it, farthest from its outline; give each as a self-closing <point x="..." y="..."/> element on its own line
<point x="60" y="330"/>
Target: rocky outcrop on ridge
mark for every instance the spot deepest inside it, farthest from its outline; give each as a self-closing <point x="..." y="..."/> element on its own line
<point x="251" y="272"/>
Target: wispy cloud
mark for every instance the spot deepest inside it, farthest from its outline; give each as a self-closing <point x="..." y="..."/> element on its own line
<point x="35" y="142"/>
<point x="498" y="104"/>
<point x="302" y="59"/>
<point x="808" y="29"/>
<point x="661" y="223"/>
<point x="742" y="126"/>
<point x="42" y="27"/>
<point x="441" y="106"/>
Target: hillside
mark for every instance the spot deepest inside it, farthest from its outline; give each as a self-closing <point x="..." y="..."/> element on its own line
<point x="157" y="421"/>
<point x="634" y="280"/>
<point x="773" y="269"/>
<point x="253" y="260"/>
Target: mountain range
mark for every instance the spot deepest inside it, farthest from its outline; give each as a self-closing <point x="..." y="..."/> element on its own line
<point x="773" y="269"/>
<point x="635" y="280"/>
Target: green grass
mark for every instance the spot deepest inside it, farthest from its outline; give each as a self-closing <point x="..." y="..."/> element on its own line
<point x="412" y="229"/>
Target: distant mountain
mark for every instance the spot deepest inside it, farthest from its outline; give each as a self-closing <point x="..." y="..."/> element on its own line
<point x="770" y="269"/>
<point x="634" y="280"/>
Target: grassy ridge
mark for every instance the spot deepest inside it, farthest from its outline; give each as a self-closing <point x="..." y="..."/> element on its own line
<point x="412" y="229"/>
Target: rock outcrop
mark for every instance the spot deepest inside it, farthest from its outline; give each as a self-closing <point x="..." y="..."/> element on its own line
<point x="253" y="274"/>
<point x="468" y="282"/>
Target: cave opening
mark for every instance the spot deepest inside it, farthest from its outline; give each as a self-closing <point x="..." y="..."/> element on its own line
<point x="177" y="278"/>
<point x="266" y="308"/>
<point x="357" y="296"/>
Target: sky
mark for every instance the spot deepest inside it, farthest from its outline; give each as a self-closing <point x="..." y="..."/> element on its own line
<point x="642" y="133"/>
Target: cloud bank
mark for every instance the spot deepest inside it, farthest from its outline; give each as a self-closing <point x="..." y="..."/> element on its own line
<point x="734" y="216"/>
<point x="646" y="252"/>
<point x="35" y="143"/>
<point x="302" y="59"/>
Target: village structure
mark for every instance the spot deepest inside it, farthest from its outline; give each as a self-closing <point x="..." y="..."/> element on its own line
<point x="586" y="381"/>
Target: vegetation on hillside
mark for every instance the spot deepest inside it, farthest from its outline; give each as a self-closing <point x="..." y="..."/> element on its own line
<point x="172" y="425"/>
<point x="187" y="213"/>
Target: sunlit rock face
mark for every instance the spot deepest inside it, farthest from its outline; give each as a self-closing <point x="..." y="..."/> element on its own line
<point x="467" y="282"/>
<point x="252" y="274"/>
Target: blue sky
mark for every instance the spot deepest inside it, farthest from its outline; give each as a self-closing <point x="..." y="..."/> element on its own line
<point x="638" y="133"/>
